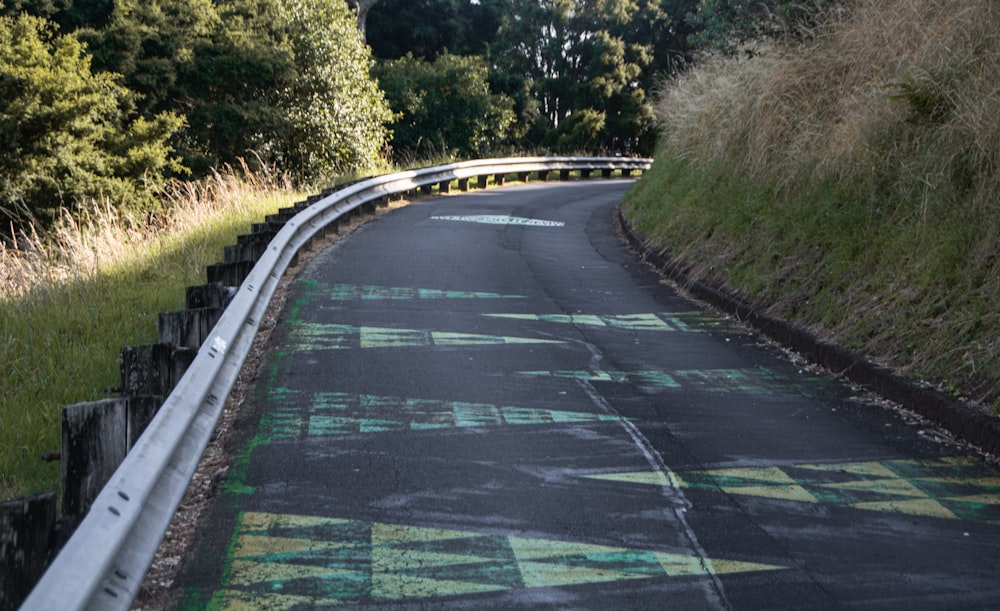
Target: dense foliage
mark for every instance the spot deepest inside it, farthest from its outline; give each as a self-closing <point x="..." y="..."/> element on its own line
<point x="176" y="88"/>
<point x="579" y="71"/>
<point x="107" y="100"/>
<point x="67" y="133"/>
<point x="445" y="106"/>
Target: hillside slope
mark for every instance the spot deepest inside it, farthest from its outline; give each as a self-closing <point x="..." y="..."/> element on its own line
<point x="849" y="184"/>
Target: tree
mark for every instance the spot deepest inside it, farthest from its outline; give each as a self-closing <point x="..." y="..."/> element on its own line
<point x="592" y="58"/>
<point x="361" y="8"/>
<point x="66" y="133"/>
<point x="336" y="113"/>
<point x="445" y="106"/>
<point x="283" y="81"/>
<point x="426" y="28"/>
<point x="67" y="14"/>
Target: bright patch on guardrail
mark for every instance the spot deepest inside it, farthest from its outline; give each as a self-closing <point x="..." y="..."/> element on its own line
<point x="281" y="561"/>
<point x="488" y="219"/>
<point x="951" y="488"/>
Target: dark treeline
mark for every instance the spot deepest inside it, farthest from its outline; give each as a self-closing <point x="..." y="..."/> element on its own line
<point x="110" y="99"/>
<point x="575" y="74"/>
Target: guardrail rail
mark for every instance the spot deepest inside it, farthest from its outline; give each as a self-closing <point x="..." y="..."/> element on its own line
<point x="103" y="564"/>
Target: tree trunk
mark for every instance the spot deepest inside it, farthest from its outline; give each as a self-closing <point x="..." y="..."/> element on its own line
<point x="362" y="7"/>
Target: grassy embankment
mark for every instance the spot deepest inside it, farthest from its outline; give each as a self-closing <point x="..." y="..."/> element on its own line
<point x="850" y="183"/>
<point x="71" y="299"/>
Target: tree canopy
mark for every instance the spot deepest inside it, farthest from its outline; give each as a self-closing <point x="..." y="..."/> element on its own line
<point x="110" y="98"/>
<point x="67" y="133"/>
<point x="579" y="71"/>
<point x="445" y="106"/>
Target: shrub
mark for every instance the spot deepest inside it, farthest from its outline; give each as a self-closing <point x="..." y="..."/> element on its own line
<point x="66" y="134"/>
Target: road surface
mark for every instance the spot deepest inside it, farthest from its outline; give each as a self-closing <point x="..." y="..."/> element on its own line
<point x="485" y="401"/>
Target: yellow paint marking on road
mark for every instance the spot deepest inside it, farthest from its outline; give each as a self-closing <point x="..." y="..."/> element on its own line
<point x="896" y="486"/>
<point x="865" y="469"/>
<point x="916" y="507"/>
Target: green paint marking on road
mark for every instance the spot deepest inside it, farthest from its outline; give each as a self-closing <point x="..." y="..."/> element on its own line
<point x="294" y="414"/>
<point x="688" y="322"/>
<point x="644" y="378"/>
<point x="759" y="381"/>
<point x="367" y="292"/>
<point x="953" y="488"/>
<point x="314" y="336"/>
<point x="284" y="561"/>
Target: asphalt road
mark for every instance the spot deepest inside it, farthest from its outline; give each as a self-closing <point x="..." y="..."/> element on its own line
<point x="485" y="401"/>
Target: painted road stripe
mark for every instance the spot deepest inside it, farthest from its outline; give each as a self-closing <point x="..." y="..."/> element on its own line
<point x="281" y="561"/>
<point x="316" y="336"/>
<point x="632" y="322"/>
<point x="368" y="292"/>
<point x="949" y="488"/>
<point x="491" y="219"/>
<point x="293" y="414"/>
<point x="687" y="322"/>
<point x="757" y="381"/>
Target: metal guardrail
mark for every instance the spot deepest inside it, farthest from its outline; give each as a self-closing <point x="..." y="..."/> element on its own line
<point x="103" y="564"/>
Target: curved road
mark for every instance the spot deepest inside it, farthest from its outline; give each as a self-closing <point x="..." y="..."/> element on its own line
<point x="485" y="401"/>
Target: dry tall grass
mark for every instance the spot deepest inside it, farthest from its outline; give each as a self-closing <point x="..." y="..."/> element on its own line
<point x="852" y="182"/>
<point x="100" y="237"/>
<point x="821" y="111"/>
<point x="72" y="296"/>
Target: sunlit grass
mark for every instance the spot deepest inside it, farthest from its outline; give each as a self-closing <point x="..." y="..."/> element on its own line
<point x="850" y="184"/>
<point x="72" y="298"/>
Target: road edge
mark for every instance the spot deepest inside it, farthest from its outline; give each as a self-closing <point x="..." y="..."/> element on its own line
<point x="962" y="419"/>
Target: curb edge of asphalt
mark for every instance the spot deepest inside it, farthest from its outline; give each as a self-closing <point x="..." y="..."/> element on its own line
<point x="964" y="420"/>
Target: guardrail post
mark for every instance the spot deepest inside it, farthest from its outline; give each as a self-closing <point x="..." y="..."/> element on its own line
<point x="425" y="190"/>
<point x="188" y="328"/>
<point x="524" y="176"/>
<point x="481" y="181"/>
<point x="563" y="174"/>
<point x="606" y="173"/>
<point x="95" y="438"/>
<point x="585" y="173"/>
<point x="146" y="369"/>
<point x="152" y="369"/>
<point x="543" y="175"/>
<point x="444" y="186"/>
<point x="498" y="179"/>
<point x="213" y="295"/>
<point x="626" y="172"/>
<point x="230" y="274"/>
<point x="27" y="539"/>
<point x="463" y="185"/>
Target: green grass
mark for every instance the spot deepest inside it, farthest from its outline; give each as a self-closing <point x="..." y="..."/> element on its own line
<point x="68" y="308"/>
<point x="833" y="188"/>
